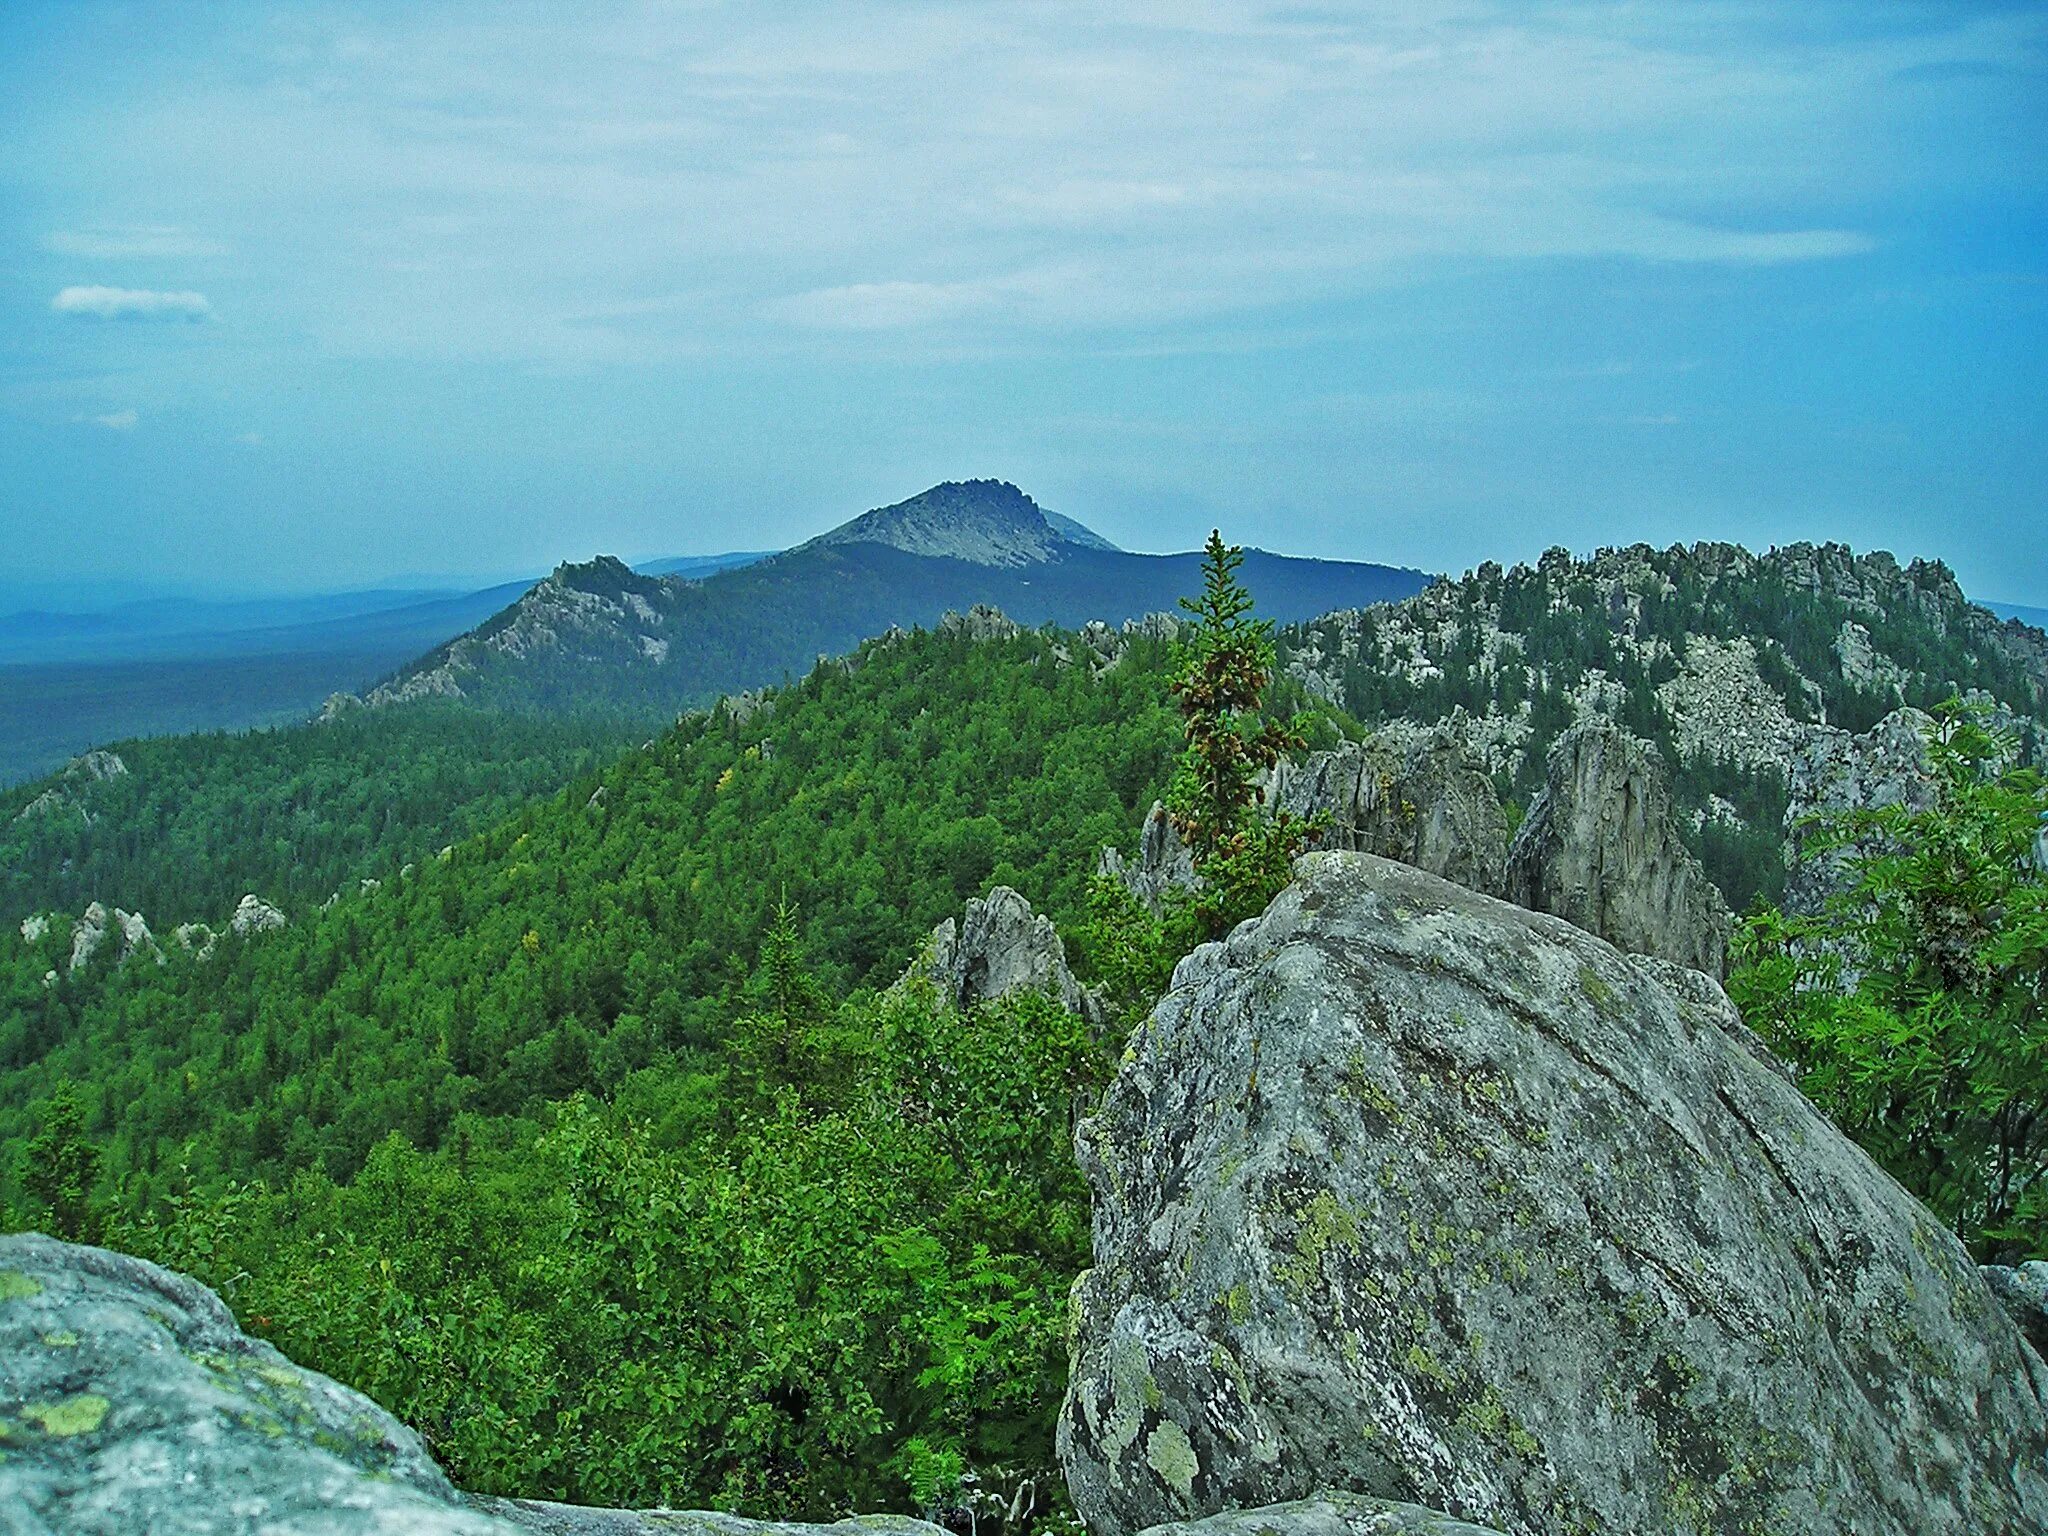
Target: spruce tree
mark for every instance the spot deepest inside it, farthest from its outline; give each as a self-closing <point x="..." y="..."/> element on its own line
<point x="1226" y="665"/>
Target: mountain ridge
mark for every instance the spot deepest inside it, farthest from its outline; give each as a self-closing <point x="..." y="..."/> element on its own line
<point x="599" y="632"/>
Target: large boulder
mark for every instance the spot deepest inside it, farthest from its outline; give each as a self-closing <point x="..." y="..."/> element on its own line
<point x="1426" y="801"/>
<point x="130" y="1402"/>
<point x="1412" y="1192"/>
<point x="1600" y="847"/>
<point x="1327" y="1514"/>
<point x="996" y="947"/>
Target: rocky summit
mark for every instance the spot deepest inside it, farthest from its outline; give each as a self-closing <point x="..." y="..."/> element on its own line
<point x="984" y="522"/>
<point x="1414" y="1193"/>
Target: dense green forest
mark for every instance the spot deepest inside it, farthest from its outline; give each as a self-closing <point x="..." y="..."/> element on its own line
<point x="292" y="814"/>
<point x="599" y="1143"/>
<point x="611" y="1082"/>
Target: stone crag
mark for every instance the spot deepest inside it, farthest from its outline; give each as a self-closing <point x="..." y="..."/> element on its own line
<point x="996" y="947"/>
<point x="1163" y="864"/>
<point x="1834" y="771"/>
<point x="1424" y="799"/>
<point x="1411" y="1192"/>
<point x="1600" y="847"/>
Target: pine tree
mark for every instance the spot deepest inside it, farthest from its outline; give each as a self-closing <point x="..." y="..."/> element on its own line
<point x="1226" y="665"/>
<point x="60" y="1166"/>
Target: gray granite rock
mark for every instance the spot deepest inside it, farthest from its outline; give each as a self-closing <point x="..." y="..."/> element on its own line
<point x="130" y="1403"/>
<point x="1163" y="865"/>
<point x="2023" y="1291"/>
<point x="1426" y="800"/>
<point x="996" y="947"/>
<point x="1833" y="772"/>
<point x="1415" y="1193"/>
<point x="1327" y="1514"/>
<point x="1601" y="848"/>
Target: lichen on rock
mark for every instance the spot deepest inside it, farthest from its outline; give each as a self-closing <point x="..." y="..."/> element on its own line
<point x="1415" y="1193"/>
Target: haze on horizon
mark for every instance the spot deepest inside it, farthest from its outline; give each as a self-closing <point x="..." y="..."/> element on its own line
<point x="304" y="296"/>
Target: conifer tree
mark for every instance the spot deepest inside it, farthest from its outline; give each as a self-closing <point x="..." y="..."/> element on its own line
<point x="60" y="1167"/>
<point x="1226" y="665"/>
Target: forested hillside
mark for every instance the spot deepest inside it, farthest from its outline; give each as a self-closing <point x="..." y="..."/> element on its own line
<point x="295" y="813"/>
<point x="760" y="1159"/>
<point x="1728" y="661"/>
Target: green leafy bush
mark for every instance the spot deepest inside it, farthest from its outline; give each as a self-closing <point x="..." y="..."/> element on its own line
<point x="1914" y="1004"/>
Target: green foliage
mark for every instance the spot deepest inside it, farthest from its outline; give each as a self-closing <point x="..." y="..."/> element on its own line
<point x="1225" y="665"/>
<point x="593" y="936"/>
<point x="849" y="1295"/>
<point x="1915" y="1004"/>
<point x="516" y="1146"/>
<point x="59" y="1170"/>
<point x="1128" y="954"/>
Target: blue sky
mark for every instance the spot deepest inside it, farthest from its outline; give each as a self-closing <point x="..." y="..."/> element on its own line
<point x="314" y="295"/>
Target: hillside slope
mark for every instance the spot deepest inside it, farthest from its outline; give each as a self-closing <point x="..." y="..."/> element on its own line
<point x="1731" y="662"/>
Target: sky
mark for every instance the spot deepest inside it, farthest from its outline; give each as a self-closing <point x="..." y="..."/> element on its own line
<point x="312" y="296"/>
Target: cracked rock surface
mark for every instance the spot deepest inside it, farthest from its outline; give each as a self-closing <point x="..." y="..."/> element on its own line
<point x="1411" y="1192"/>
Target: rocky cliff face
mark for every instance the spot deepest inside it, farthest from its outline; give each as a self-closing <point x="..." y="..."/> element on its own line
<point x="1164" y="863"/>
<point x="1411" y="1192"/>
<point x="600" y="608"/>
<point x="1600" y="848"/>
<point x="1736" y="666"/>
<point x="1425" y="800"/>
<point x="130" y="1402"/>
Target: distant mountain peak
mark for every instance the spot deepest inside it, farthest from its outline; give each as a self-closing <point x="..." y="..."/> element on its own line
<point x="984" y="522"/>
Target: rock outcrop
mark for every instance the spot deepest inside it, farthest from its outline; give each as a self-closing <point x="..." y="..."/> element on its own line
<point x="130" y="1402"/>
<point x="1600" y="848"/>
<point x="1834" y="771"/>
<point x="1163" y="865"/>
<point x="1426" y="801"/>
<point x="99" y="924"/>
<point x="255" y="915"/>
<point x="1327" y="1514"/>
<point x="1411" y="1192"/>
<point x="2023" y="1291"/>
<point x="133" y="1403"/>
<point x="999" y="946"/>
<point x="72" y="782"/>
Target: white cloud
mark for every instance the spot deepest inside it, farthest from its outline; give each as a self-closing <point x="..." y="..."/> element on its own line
<point x="249" y="439"/>
<point x="113" y="421"/>
<point x="100" y="303"/>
